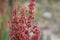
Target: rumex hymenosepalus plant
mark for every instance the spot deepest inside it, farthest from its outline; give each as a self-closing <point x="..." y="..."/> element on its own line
<point x="21" y="27"/>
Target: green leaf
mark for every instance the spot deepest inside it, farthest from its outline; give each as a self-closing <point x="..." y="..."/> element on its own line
<point x="6" y="36"/>
<point x="3" y="19"/>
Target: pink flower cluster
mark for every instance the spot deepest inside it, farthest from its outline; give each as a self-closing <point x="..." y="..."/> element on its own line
<point x="21" y="27"/>
<point x="31" y="8"/>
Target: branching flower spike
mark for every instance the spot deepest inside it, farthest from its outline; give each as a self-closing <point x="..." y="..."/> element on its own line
<point x="21" y="27"/>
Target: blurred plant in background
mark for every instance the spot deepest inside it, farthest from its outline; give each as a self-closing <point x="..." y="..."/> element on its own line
<point x="2" y="17"/>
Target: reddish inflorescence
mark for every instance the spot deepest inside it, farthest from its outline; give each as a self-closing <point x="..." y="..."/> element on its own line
<point x="21" y="27"/>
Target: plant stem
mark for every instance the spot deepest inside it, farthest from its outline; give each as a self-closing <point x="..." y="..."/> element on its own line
<point x="2" y="8"/>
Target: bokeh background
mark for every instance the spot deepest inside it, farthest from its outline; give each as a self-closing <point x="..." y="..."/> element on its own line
<point x="47" y="14"/>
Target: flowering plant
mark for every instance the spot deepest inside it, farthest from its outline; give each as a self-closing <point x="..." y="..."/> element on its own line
<point x="21" y="27"/>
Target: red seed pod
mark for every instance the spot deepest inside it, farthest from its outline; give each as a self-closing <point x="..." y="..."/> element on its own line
<point x="21" y="28"/>
<point x="14" y="12"/>
<point x="36" y="33"/>
<point x="33" y="0"/>
<point x="31" y="17"/>
<point x="33" y="3"/>
<point x="31" y="6"/>
<point x="22" y="10"/>
<point x="31" y="11"/>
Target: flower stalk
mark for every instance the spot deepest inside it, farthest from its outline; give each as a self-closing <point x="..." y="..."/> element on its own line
<point x="2" y="11"/>
<point x="21" y="27"/>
